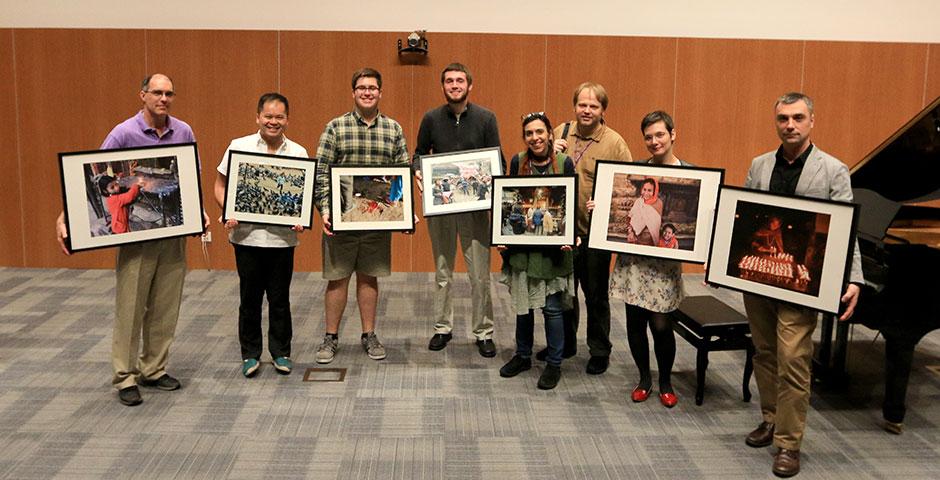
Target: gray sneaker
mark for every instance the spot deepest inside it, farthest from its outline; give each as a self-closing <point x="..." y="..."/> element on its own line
<point x="373" y="347"/>
<point x="327" y="350"/>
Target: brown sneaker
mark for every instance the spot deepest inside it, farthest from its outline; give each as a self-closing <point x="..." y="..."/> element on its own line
<point x="786" y="463"/>
<point x="762" y="436"/>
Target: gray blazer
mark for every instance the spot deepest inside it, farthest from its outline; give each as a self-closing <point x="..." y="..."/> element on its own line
<point x="823" y="176"/>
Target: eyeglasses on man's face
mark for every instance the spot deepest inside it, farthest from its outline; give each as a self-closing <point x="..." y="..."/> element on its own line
<point x="366" y="88"/>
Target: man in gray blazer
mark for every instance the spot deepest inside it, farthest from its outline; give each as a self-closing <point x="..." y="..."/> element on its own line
<point x="782" y="332"/>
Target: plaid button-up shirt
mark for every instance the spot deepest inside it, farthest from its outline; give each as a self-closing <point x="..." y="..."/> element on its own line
<point x="348" y="140"/>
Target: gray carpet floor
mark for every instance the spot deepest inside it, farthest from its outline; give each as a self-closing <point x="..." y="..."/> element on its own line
<point x="417" y="414"/>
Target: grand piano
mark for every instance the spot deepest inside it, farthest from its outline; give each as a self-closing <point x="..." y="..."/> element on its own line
<point x="897" y="185"/>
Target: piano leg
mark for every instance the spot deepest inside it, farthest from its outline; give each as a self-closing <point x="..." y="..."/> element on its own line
<point x="899" y="354"/>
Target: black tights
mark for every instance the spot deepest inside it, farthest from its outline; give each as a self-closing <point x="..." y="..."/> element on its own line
<point x="664" y="341"/>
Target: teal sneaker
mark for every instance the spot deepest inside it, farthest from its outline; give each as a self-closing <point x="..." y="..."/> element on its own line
<point x="250" y="367"/>
<point x="283" y="365"/>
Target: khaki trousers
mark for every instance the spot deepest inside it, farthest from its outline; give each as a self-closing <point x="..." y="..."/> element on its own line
<point x="783" y="343"/>
<point x="149" y="290"/>
<point x="473" y="229"/>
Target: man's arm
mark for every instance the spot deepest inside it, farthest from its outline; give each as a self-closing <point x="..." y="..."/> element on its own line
<point x="326" y="152"/>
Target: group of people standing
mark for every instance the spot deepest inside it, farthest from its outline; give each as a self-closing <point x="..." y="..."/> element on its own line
<point x="150" y="275"/>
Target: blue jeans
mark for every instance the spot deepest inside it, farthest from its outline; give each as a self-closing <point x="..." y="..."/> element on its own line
<point x="554" y="330"/>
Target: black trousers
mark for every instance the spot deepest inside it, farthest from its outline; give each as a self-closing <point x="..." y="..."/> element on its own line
<point x="591" y="275"/>
<point x="264" y="271"/>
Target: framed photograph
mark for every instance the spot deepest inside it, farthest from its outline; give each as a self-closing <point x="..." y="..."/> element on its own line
<point x="269" y="189"/>
<point x="788" y="248"/>
<point x="654" y="210"/>
<point x="459" y="181"/>
<point x="117" y="197"/>
<point x="534" y="210"/>
<point x="371" y="198"/>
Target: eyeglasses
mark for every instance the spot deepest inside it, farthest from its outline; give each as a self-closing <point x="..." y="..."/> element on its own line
<point x="533" y="115"/>
<point x="366" y="88"/>
<point x="160" y="93"/>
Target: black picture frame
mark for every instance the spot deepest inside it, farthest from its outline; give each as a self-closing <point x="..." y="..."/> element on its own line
<point x="523" y="209"/>
<point x="269" y="189"/>
<point x="372" y="208"/>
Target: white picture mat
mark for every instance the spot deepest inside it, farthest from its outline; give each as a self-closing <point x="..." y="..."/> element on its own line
<point x="571" y="201"/>
<point x="236" y="158"/>
<point x="834" y="262"/>
<point x="710" y="181"/>
<point x="77" y="204"/>
<point x="407" y="198"/>
<point x="429" y="162"/>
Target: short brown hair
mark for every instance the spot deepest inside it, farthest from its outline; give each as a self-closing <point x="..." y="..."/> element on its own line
<point x="792" y="97"/>
<point x="367" y="73"/>
<point x="457" y="67"/>
<point x="598" y="90"/>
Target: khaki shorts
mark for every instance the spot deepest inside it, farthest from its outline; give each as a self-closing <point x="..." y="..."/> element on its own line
<point x="367" y="253"/>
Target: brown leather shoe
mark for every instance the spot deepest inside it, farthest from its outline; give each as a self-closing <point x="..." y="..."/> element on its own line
<point x="786" y="463"/>
<point x="762" y="436"/>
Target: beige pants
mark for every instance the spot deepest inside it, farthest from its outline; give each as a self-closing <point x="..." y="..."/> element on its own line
<point x="783" y="343"/>
<point x="473" y="229"/>
<point x="149" y="290"/>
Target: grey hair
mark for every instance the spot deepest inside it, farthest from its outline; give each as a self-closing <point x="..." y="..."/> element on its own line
<point x="793" y="97"/>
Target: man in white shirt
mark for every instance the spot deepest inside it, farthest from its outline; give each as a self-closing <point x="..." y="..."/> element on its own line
<point x="264" y="255"/>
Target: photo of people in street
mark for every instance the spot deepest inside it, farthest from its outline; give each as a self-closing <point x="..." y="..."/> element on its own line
<point x="534" y="211"/>
<point x="654" y="211"/>
<point x="269" y="190"/>
<point x="459" y="182"/>
<point x="132" y="195"/>
<point x="369" y="198"/>
<point x="778" y="246"/>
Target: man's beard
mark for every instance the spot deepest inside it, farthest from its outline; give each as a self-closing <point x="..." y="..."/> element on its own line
<point x="458" y="100"/>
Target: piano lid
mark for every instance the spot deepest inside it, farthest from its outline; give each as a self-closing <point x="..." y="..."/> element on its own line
<point x="906" y="166"/>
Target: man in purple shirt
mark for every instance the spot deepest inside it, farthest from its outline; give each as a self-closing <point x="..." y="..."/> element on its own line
<point x="149" y="274"/>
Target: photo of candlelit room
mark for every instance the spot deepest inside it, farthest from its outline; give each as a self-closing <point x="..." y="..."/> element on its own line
<point x="778" y="246"/>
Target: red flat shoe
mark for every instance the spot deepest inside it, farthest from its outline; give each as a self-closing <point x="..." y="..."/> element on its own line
<point x="668" y="400"/>
<point x="639" y="395"/>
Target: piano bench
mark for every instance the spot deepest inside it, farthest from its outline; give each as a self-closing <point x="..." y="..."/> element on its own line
<point x="712" y="326"/>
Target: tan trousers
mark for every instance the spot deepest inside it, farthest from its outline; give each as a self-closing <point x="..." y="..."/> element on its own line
<point x="783" y="343"/>
<point x="473" y="229"/>
<point x="149" y="289"/>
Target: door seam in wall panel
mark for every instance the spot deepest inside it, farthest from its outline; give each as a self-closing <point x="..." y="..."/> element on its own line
<point x="545" y="76"/>
<point x="803" y="68"/>
<point x="278" y="61"/>
<point x="675" y="79"/>
<point x="19" y="149"/>
<point x="146" y="56"/>
<point x="923" y="102"/>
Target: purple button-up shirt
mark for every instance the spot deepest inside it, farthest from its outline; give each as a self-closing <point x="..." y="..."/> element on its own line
<point x="134" y="132"/>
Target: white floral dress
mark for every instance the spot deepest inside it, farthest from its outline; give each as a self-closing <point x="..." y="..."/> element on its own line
<point x="651" y="283"/>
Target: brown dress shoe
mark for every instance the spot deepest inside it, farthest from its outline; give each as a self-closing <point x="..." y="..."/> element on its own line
<point x="786" y="463"/>
<point x="762" y="436"/>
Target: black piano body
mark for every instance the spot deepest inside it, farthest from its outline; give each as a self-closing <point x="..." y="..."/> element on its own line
<point x="900" y="246"/>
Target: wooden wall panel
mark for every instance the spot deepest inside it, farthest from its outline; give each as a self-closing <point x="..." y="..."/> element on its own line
<point x="316" y="70"/>
<point x="218" y="83"/>
<point x="933" y="73"/>
<point x="857" y="111"/>
<point x="638" y="73"/>
<point x="12" y="226"/>
<point x="73" y="86"/>
<point x="724" y="100"/>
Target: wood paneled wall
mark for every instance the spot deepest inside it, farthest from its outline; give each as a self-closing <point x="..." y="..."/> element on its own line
<point x="68" y="88"/>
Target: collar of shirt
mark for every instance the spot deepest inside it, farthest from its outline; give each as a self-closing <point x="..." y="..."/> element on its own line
<point x="147" y="128"/>
<point x="798" y="162"/>
<point x="451" y="114"/>
<point x="595" y="135"/>
<point x="263" y="146"/>
<point x="362" y="121"/>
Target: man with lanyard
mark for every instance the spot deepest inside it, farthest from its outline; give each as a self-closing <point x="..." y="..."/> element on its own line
<point x="587" y="140"/>
<point x="363" y="136"/>
<point x="264" y="255"/>
<point x="782" y="332"/>
<point x="455" y="126"/>
<point x="150" y="275"/>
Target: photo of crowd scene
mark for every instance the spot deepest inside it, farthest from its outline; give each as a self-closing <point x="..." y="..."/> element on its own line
<point x="372" y="198"/>
<point x="538" y="211"/>
<point x="778" y="246"/>
<point x="458" y="182"/>
<point x="269" y="190"/>
<point x="654" y="211"/>
<point x="132" y="195"/>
